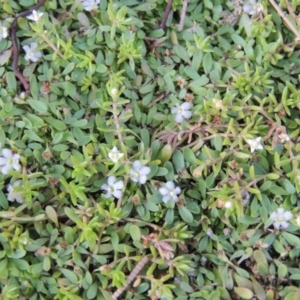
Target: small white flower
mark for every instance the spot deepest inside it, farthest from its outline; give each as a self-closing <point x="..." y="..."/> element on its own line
<point x="3" y="32"/>
<point x="209" y="232"/>
<point x="218" y="104"/>
<point x="255" y="144"/>
<point x="35" y="16"/>
<point x="14" y="195"/>
<point x="228" y="204"/>
<point x="281" y="218"/>
<point x="113" y="187"/>
<point x="283" y="137"/>
<point x="252" y="8"/>
<point x="139" y="173"/>
<point x="181" y="112"/>
<point x="114" y="154"/>
<point x="31" y="52"/>
<point x="90" y="5"/>
<point x="170" y="192"/>
<point x="114" y="91"/>
<point x="9" y="161"/>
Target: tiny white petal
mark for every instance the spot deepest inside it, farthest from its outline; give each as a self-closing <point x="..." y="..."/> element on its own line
<point x="187" y="114"/>
<point x="119" y="185"/>
<point x="179" y="118"/>
<point x="164" y="191"/>
<point x="288" y="215"/>
<point x="117" y="194"/>
<point x="186" y="105"/>
<point x="137" y="164"/>
<point x="6" y="153"/>
<point x="280" y="211"/>
<point x="170" y="185"/>
<point x="104" y="186"/>
<point x="284" y="224"/>
<point x="111" y="180"/>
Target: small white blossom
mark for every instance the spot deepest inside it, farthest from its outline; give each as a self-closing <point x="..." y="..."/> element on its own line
<point x="14" y="195"/>
<point x="3" y="32"/>
<point x="31" y="52"/>
<point x="113" y="187"/>
<point x="114" y="91"/>
<point x="115" y="154"/>
<point x="170" y="192"/>
<point x="9" y="161"/>
<point x="255" y="144"/>
<point x="281" y="218"/>
<point x="218" y="104"/>
<point x="209" y="232"/>
<point x="252" y="8"/>
<point x="139" y="173"/>
<point x="181" y="112"/>
<point x="283" y="137"/>
<point x="90" y="5"/>
<point x="228" y="204"/>
<point x="35" y="16"/>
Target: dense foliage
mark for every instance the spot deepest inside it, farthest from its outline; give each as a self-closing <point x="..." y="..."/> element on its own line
<point x="178" y="145"/>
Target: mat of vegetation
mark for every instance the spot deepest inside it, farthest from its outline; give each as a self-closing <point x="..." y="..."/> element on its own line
<point x="150" y="160"/>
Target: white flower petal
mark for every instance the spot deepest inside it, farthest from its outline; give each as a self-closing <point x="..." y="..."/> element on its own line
<point x="174" y="110"/>
<point x="179" y="118"/>
<point x="142" y="179"/>
<point x="186" y="105"/>
<point x="108" y="195"/>
<point x="277" y="224"/>
<point x="137" y="165"/>
<point x="104" y="187"/>
<point x="187" y="114"/>
<point x="288" y="215"/>
<point x="166" y="198"/>
<point x="164" y="191"/>
<point x="119" y="185"/>
<point x="145" y="170"/>
<point x="7" y="153"/>
<point x="177" y="190"/>
<point x="284" y="224"/>
<point x="5" y="169"/>
<point x="117" y="194"/>
<point x="273" y="215"/>
<point x="170" y="185"/>
<point x="280" y="211"/>
<point x="3" y="161"/>
<point x="111" y="180"/>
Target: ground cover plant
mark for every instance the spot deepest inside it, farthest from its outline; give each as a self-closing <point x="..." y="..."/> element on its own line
<point x="149" y="149"/>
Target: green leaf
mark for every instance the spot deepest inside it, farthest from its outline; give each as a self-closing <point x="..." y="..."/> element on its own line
<point x="84" y="20"/>
<point x="57" y="124"/>
<point x="288" y="186"/>
<point x="282" y="271"/>
<point x="291" y="239"/>
<point x="178" y="161"/>
<point x="71" y="276"/>
<point x="33" y="136"/>
<point x="69" y="68"/>
<point x="51" y="214"/>
<point x="185" y="214"/>
<point x="277" y="190"/>
<point x="182" y="53"/>
<point x="243" y="292"/>
<point x="189" y="155"/>
<point x="191" y="73"/>
<point x="207" y="63"/>
<point x="135" y="233"/>
<point x="11" y="81"/>
<point x="38" y="105"/>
